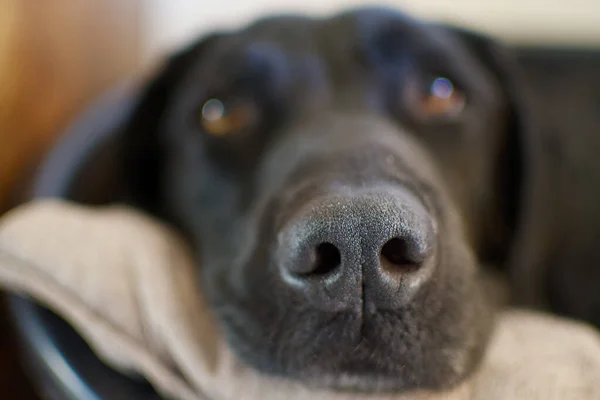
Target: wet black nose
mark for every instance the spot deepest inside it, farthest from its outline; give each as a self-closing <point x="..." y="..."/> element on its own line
<point x="371" y="248"/>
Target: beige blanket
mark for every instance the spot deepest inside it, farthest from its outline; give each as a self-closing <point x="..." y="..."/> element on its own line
<point x="126" y="283"/>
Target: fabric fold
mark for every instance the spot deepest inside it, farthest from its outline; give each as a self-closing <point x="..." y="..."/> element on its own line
<point x="127" y="284"/>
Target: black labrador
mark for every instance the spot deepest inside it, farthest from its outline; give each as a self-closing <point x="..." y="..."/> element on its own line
<point x="344" y="180"/>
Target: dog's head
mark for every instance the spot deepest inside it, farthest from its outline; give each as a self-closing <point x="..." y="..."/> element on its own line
<point x="339" y="179"/>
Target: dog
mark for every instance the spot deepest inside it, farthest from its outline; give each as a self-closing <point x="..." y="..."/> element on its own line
<point x="343" y="181"/>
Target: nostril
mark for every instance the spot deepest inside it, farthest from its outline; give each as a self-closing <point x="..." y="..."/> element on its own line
<point x="397" y="254"/>
<point x="326" y="257"/>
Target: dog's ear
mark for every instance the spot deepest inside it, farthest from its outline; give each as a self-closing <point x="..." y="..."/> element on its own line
<point x="504" y="66"/>
<point x="140" y="153"/>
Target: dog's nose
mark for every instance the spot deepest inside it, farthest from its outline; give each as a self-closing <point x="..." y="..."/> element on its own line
<point x="371" y="248"/>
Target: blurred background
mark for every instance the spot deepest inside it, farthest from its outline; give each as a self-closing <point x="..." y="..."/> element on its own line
<point x="56" y="56"/>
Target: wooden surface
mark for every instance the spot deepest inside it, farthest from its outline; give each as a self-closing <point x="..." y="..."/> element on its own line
<point x="55" y="56"/>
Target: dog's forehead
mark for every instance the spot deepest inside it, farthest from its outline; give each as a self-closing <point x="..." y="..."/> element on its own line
<point x="352" y="30"/>
<point x="336" y="49"/>
<point x="290" y="31"/>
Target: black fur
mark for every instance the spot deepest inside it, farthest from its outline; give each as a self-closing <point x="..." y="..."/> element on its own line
<point x="328" y="91"/>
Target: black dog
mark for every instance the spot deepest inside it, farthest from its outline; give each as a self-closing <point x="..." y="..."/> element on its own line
<point x="342" y="181"/>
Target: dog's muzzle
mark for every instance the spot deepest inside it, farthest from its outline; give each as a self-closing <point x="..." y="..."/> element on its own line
<point x="354" y="237"/>
<point x="363" y="249"/>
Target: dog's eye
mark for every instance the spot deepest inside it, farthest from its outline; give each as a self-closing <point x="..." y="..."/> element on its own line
<point x="439" y="98"/>
<point x="219" y="118"/>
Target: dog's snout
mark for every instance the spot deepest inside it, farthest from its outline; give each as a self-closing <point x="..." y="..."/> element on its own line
<point x="345" y="251"/>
